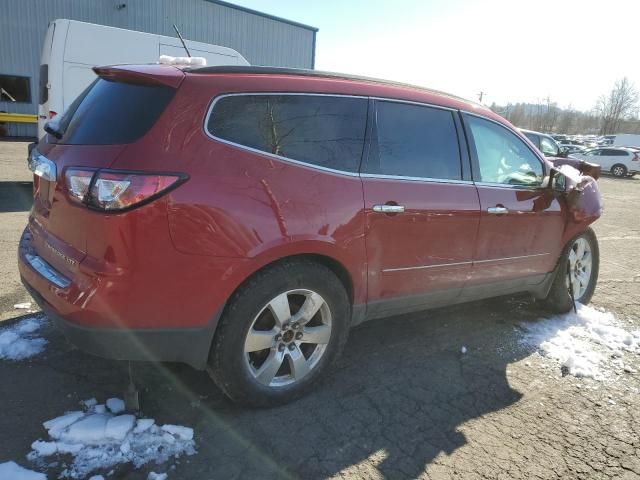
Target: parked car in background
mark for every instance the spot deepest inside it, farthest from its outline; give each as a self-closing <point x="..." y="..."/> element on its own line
<point x="626" y="140"/>
<point x="568" y="141"/>
<point x="559" y="138"/>
<point x="545" y="143"/>
<point x="72" y="48"/>
<point x="242" y="219"/>
<point x="571" y="149"/>
<point x="619" y="161"/>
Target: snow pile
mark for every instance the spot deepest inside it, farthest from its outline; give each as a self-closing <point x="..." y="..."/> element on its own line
<point x="99" y="438"/>
<point x="20" y="341"/>
<point x="589" y="343"/>
<point x="13" y="471"/>
<point x="183" y="61"/>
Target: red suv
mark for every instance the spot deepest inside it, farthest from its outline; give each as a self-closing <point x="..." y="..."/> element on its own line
<point x="242" y="219"/>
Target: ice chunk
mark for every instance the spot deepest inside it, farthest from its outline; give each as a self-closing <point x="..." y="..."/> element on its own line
<point x="183" y="433"/>
<point x="44" y="449"/>
<point x="118" y="427"/>
<point x="56" y="425"/>
<point x="143" y="424"/>
<point x="13" y="471"/>
<point x="116" y="405"/>
<point x="91" y="429"/>
<point x="92" y="402"/>
<point x="157" y="476"/>
<point x="22" y="306"/>
<point x="97" y="477"/>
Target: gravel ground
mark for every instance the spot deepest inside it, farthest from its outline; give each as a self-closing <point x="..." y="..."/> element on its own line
<point x="404" y="401"/>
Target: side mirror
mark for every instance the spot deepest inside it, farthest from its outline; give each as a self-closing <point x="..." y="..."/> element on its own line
<point x="558" y="181"/>
<point x="563" y="152"/>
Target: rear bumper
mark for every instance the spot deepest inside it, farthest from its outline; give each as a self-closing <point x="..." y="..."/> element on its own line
<point x="186" y="345"/>
<point x="61" y="296"/>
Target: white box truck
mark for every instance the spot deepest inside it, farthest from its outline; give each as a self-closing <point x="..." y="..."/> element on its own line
<point x="71" y="49"/>
<point x="626" y="140"/>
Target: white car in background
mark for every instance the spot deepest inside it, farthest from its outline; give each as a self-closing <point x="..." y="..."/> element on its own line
<point x="618" y="161"/>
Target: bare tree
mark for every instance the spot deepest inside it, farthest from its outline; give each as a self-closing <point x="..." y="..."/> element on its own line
<point x="620" y="104"/>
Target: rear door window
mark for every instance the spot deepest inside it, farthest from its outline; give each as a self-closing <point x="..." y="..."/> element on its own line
<point x="323" y="130"/>
<point x="414" y="141"/>
<point x="112" y="113"/>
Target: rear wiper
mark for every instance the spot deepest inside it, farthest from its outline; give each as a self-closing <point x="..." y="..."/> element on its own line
<point x="53" y="129"/>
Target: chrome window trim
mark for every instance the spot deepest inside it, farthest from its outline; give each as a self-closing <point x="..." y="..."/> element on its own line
<point x="272" y="155"/>
<point x="414" y="179"/>
<point x="473" y="262"/>
<point x="412" y="102"/>
<point x="511" y="186"/>
<point x="47" y="271"/>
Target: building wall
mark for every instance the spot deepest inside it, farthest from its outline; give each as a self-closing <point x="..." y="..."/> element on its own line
<point x="261" y="39"/>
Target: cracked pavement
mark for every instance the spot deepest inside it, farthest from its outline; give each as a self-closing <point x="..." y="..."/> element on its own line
<point x="403" y="402"/>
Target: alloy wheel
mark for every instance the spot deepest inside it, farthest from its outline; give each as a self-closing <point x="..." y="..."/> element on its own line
<point x="288" y="337"/>
<point x="580" y="267"/>
<point x="618" y="171"/>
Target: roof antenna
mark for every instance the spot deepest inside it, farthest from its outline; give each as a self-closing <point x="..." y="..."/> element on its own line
<point x="182" y="40"/>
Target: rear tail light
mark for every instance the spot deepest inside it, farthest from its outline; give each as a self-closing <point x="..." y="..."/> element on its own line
<point x="116" y="191"/>
<point x="52" y="114"/>
<point x="636" y="157"/>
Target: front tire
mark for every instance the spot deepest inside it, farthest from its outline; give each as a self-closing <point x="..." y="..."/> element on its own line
<point x="619" y="171"/>
<point x="280" y="333"/>
<point x="577" y="269"/>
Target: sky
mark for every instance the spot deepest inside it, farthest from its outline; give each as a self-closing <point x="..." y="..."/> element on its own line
<point x="514" y="51"/>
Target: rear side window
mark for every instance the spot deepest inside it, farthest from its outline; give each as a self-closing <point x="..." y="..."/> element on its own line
<point x="321" y="130"/>
<point x="414" y="141"/>
<point x="112" y="113"/>
<point x="615" y="153"/>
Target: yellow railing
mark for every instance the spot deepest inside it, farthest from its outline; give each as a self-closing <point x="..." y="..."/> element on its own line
<point x="18" y="118"/>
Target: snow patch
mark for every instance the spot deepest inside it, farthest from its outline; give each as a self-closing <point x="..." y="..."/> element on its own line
<point x="99" y="439"/>
<point x="13" y="471"/>
<point x="589" y="343"/>
<point x="157" y="476"/>
<point x="20" y="341"/>
<point x="116" y="405"/>
<point x="183" y="61"/>
<point x="22" y="306"/>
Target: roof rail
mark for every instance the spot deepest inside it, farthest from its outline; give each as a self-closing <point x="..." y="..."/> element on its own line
<point x="253" y="70"/>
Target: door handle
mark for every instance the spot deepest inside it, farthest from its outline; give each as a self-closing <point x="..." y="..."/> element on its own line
<point x="497" y="210"/>
<point x="388" y="208"/>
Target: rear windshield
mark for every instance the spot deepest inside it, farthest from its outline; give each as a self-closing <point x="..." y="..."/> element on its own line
<point x="112" y="113"/>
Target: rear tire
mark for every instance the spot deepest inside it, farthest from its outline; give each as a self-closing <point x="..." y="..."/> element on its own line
<point x="579" y="264"/>
<point x="264" y="351"/>
<point x="619" y="170"/>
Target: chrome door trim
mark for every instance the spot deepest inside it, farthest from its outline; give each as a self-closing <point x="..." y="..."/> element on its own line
<point x="424" y="267"/>
<point x="511" y="258"/>
<point x="453" y="264"/>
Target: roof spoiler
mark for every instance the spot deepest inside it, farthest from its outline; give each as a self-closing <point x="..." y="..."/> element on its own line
<point x="142" y="74"/>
